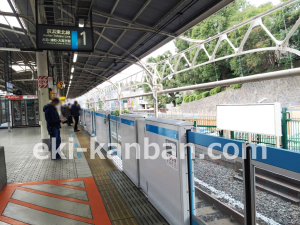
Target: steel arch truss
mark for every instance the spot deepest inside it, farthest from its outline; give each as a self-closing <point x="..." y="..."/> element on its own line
<point x="173" y="61"/>
<point x="153" y="74"/>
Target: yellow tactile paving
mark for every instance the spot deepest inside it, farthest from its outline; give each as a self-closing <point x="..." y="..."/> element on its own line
<point x="117" y="210"/>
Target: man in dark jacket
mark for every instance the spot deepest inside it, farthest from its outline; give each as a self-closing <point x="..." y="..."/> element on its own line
<point x="75" y="112"/>
<point x="53" y="125"/>
<point x="67" y="114"/>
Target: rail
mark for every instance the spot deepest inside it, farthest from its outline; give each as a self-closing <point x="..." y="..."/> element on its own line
<point x="226" y="190"/>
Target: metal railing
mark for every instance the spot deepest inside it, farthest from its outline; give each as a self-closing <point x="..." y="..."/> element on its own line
<point x="255" y="138"/>
<point x="291" y="129"/>
<point x="207" y="124"/>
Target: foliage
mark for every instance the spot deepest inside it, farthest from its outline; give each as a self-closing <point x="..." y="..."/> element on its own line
<point x="204" y="94"/>
<point x="93" y="109"/>
<point x="185" y="98"/>
<point x="125" y="111"/>
<point x="179" y="100"/>
<point x="117" y="112"/>
<point x="198" y="97"/>
<point x="215" y="90"/>
<point x="236" y="86"/>
<point x="191" y="98"/>
<point x="278" y="23"/>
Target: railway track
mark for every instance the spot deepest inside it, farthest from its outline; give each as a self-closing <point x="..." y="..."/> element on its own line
<point x="211" y="211"/>
<point x="275" y="184"/>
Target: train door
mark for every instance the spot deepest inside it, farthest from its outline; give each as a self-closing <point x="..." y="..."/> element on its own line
<point x="32" y="112"/>
<point x="19" y="113"/>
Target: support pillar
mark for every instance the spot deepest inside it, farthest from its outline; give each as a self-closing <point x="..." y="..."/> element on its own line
<point x="9" y="116"/>
<point x="155" y="89"/>
<point x="249" y="187"/>
<point x="284" y="122"/>
<point x="120" y="106"/>
<point x="43" y="94"/>
<point x="155" y="103"/>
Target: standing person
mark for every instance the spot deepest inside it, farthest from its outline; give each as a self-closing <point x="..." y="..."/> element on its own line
<point x="75" y="113"/>
<point x="63" y="110"/>
<point x="53" y="125"/>
<point x="68" y="114"/>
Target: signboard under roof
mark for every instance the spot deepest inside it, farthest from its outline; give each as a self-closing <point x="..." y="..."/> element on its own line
<point x="9" y="87"/>
<point x="64" y="38"/>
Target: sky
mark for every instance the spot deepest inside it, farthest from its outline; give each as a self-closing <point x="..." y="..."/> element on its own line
<point x="260" y="2"/>
<point x="169" y="46"/>
<point x="135" y="69"/>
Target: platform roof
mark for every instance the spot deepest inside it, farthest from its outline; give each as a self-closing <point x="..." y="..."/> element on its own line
<point x="124" y="32"/>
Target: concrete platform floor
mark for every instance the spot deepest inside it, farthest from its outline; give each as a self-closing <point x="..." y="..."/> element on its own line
<point x="45" y="191"/>
<point x="68" y="202"/>
<point x="23" y="166"/>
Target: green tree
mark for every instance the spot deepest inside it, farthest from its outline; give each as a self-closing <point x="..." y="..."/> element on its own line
<point x="278" y="23"/>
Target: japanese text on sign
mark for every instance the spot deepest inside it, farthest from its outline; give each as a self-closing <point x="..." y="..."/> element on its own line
<point x="43" y="82"/>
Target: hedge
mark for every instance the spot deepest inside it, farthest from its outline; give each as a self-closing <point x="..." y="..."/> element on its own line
<point x="215" y="90"/>
<point x="198" y="97"/>
<point x="191" y="98"/>
<point x="236" y="86"/>
<point x="204" y="94"/>
<point x="185" y="98"/>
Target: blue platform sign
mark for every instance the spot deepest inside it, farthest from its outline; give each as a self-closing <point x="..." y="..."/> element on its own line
<point x="65" y="38"/>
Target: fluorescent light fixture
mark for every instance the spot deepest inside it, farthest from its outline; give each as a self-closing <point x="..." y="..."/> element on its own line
<point x="9" y="20"/>
<point x="72" y="69"/>
<point x="71" y="76"/>
<point x="75" y="57"/>
<point x="70" y="82"/>
<point x="81" y="22"/>
<point x="18" y="68"/>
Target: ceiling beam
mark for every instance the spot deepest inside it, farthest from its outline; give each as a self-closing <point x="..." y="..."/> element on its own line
<point x="112" y="26"/>
<point x="107" y="21"/>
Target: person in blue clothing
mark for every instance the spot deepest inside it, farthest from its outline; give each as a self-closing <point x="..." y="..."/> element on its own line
<point x="53" y="125"/>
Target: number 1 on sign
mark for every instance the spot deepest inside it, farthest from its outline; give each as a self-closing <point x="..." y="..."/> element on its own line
<point x="84" y="37"/>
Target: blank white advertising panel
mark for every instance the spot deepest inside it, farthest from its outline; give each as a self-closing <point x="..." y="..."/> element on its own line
<point x="250" y="118"/>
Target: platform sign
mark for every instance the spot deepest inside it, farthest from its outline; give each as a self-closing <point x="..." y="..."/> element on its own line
<point x="64" y="38"/>
<point x="43" y="81"/>
<point x="19" y="97"/>
<point x="60" y="84"/>
<point x="9" y="87"/>
<point x="50" y="82"/>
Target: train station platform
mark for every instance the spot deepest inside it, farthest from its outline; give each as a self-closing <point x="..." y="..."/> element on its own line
<point x="67" y="191"/>
<point x="195" y="185"/>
